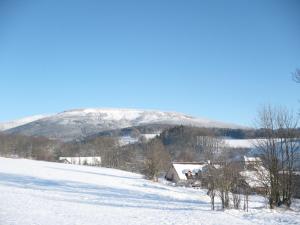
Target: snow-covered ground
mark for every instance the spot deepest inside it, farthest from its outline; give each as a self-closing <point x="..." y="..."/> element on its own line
<point x="240" y="143"/>
<point x="126" y="140"/>
<point x="44" y="193"/>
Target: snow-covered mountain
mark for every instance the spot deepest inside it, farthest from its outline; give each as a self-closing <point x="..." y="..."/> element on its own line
<point x="72" y="124"/>
<point x="20" y="122"/>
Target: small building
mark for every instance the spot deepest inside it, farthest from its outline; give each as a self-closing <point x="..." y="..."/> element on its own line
<point x="250" y="163"/>
<point x="184" y="171"/>
<point x="255" y="174"/>
<point x="251" y="170"/>
<point x="90" y="161"/>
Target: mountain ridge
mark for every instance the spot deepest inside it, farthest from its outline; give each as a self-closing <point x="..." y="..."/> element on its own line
<point x="75" y="123"/>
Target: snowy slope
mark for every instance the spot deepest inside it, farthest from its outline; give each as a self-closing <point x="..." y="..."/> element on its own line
<point x="20" y="122"/>
<point x="79" y="123"/>
<point x="45" y="193"/>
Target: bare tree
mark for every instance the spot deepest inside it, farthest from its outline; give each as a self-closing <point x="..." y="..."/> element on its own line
<point x="187" y="155"/>
<point x="236" y="185"/>
<point x="212" y="184"/>
<point x="222" y="175"/>
<point x="112" y="158"/>
<point x="278" y="150"/>
<point x="210" y="146"/>
<point x="157" y="159"/>
<point x="246" y="193"/>
<point x="296" y="75"/>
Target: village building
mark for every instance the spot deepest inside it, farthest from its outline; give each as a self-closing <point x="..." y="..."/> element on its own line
<point x="90" y="161"/>
<point x="255" y="174"/>
<point x="186" y="172"/>
<point x="250" y="163"/>
<point x="252" y="170"/>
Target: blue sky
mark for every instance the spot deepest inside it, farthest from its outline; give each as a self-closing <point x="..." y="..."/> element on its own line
<point x="215" y="59"/>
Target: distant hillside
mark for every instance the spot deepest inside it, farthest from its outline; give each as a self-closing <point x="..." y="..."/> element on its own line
<point x="20" y="122"/>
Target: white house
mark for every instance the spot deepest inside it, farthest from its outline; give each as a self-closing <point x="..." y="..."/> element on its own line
<point x="91" y="161"/>
<point x="181" y="171"/>
<point x="250" y="163"/>
<point x="254" y="173"/>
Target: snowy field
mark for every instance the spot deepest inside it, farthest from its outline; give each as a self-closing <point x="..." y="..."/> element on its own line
<point x="240" y="143"/>
<point x="43" y="193"/>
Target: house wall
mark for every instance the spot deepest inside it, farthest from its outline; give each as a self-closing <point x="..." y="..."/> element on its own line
<point x="172" y="175"/>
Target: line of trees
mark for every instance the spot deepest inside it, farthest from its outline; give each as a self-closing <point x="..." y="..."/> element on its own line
<point x="222" y="176"/>
<point x="39" y="148"/>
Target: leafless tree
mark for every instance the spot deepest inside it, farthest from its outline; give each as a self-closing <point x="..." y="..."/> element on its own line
<point x="212" y="184"/>
<point x="187" y="156"/>
<point x="246" y="192"/>
<point x="223" y="176"/>
<point x="210" y="146"/>
<point x="112" y="158"/>
<point x="224" y="183"/>
<point x="237" y="187"/>
<point x="157" y="159"/>
<point x="278" y="150"/>
<point x="296" y="75"/>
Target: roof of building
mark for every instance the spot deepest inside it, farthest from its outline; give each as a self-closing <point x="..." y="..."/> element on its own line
<point x="256" y="178"/>
<point x="183" y="168"/>
<point x="252" y="159"/>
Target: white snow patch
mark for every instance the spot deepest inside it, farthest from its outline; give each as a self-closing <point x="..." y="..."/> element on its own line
<point x="150" y="136"/>
<point x="126" y="140"/>
<point x="240" y="143"/>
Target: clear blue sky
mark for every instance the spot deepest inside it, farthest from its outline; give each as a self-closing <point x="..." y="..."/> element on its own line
<point x="214" y="59"/>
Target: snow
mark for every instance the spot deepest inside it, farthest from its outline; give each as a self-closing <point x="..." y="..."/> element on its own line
<point x="44" y="193"/>
<point x="240" y="143"/>
<point x="79" y="123"/>
<point x="106" y="114"/>
<point x="258" y="178"/>
<point x="125" y="117"/>
<point x="126" y="140"/>
<point x="139" y="117"/>
<point x="251" y="160"/>
<point x="150" y="136"/>
<point x="181" y="169"/>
